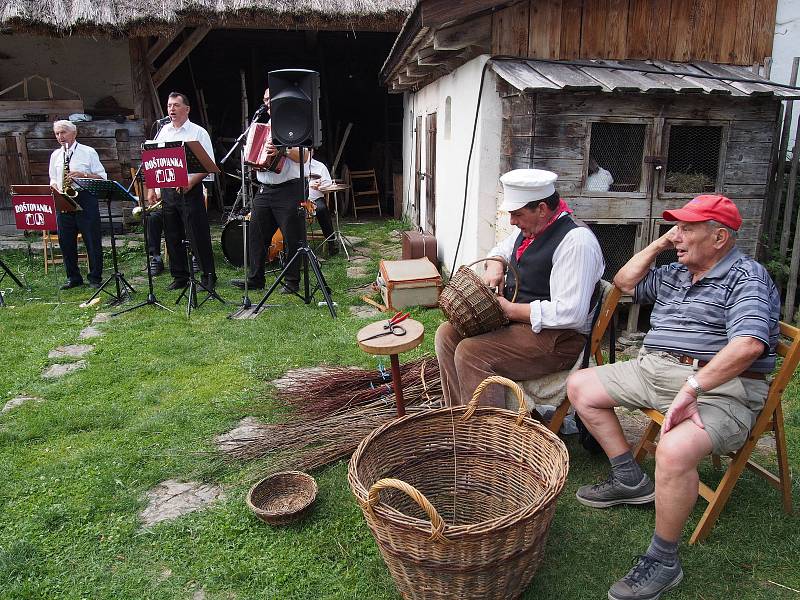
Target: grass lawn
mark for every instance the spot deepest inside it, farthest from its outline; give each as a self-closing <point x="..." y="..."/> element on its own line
<point x="158" y="387"/>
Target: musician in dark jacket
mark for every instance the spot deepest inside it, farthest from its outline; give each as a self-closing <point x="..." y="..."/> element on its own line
<point x="559" y="263"/>
<point x="275" y="205"/>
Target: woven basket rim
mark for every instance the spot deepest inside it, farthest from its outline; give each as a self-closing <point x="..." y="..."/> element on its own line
<point x="453" y="531"/>
<point x="308" y="481"/>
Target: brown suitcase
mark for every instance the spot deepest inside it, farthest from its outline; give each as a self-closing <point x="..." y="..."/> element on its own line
<point x="417" y="244"/>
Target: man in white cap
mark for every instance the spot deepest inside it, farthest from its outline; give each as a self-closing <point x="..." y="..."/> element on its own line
<point x="559" y="263"/>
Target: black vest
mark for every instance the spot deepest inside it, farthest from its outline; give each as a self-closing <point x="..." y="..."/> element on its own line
<point x="536" y="262"/>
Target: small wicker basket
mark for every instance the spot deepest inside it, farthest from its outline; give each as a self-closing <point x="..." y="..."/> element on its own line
<point x="470" y="306"/>
<point x="283" y="497"/>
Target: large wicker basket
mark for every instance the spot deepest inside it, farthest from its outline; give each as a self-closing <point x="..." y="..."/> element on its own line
<point x="460" y="499"/>
<point x="470" y="306"/>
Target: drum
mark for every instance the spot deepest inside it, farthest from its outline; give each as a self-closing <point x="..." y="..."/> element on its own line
<point x="232" y="244"/>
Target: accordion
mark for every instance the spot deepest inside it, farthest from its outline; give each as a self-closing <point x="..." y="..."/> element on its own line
<point x="255" y="149"/>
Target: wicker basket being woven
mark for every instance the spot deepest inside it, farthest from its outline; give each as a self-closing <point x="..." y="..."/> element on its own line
<point x="460" y="499"/>
<point x="470" y="306"/>
<point x="283" y="497"/>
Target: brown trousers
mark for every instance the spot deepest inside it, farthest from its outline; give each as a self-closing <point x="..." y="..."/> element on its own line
<point x="514" y="351"/>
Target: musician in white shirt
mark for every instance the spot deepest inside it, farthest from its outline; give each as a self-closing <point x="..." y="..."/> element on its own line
<point x="184" y="210"/>
<point x="83" y="163"/>
<point x="275" y="205"/>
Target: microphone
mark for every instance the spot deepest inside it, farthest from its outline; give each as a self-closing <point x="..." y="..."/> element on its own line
<point x="260" y="111"/>
<point x="163" y="121"/>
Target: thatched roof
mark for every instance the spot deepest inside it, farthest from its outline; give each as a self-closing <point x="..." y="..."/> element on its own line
<point x="153" y="17"/>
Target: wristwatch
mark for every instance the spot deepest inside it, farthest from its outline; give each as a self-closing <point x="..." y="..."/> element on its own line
<point x="695" y="385"/>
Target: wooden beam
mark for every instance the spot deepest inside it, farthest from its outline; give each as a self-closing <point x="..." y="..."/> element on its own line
<point x="416" y="70"/>
<point x="180" y="54"/>
<point x="477" y="32"/>
<point x="439" y="12"/>
<point x="160" y="45"/>
<point x="433" y="58"/>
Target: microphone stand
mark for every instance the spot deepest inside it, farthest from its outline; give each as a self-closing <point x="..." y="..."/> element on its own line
<point x="246" y="304"/>
<point x="151" y="296"/>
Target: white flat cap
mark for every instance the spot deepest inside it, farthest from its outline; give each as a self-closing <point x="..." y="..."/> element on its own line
<point x="521" y="186"/>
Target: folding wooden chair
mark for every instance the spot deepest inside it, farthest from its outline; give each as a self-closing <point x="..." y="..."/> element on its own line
<point x="370" y="189"/>
<point x="769" y="419"/>
<point x="610" y="298"/>
<point x="52" y="252"/>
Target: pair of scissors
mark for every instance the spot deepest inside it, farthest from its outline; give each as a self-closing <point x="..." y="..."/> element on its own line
<point x="392" y="329"/>
<point x="397" y="318"/>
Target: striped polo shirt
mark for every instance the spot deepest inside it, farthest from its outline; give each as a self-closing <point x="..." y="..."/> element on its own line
<point x="735" y="298"/>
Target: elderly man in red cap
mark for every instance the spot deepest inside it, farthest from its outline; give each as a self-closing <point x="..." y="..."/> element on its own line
<point x="559" y="264"/>
<point x="713" y="333"/>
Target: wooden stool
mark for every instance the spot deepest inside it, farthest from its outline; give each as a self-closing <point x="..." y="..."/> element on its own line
<point x="392" y="345"/>
<point x="53" y="256"/>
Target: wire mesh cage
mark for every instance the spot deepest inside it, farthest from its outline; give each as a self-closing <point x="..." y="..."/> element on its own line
<point x="617" y="241"/>
<point x="615" y="157"/>
<point x="693" y="158"/>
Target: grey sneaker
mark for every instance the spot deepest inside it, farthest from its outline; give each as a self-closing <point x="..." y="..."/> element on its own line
<point x="612" y="492"/>
<point x="647" y="580"/>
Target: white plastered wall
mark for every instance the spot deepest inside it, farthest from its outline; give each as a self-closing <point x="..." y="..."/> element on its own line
<point x="452" y="154"/>
<point x="94" y="68"/>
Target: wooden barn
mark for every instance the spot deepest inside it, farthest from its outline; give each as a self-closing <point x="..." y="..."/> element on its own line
<point x="637" y="105"/>
<point x="117" y="61"/>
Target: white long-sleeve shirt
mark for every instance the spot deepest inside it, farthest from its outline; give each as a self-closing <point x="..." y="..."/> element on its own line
<point x="314" y="167"/>
<point x="83" y="159"/>
<point x="188" y="132"/>
<point x="577" y="266"/>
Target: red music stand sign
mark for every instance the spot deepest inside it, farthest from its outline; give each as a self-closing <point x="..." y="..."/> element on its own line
<point x="165" y="167"/>
<point x="34" y="207"/>
<point x="168" y="164"/>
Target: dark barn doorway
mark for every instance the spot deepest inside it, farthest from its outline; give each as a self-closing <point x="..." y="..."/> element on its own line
<point x="348" y="63"/>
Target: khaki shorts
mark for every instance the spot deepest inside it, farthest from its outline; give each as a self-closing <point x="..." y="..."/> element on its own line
<point x="653" y="379"/>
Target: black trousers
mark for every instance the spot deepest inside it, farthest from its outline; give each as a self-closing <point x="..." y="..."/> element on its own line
<point x="324" y="217"/>
<point x="274" y="207"/>
<point x="155" y="227"/>
<point x="186" y="215"/>
<point x="87" y="221"/>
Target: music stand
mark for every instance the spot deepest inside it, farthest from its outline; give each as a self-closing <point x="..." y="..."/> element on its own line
<point x="151" y="295"/>
<point x="108" y="190"/>
<point x="10" y="273"/>
<point x="167" y="165"/>
<point x="337" y="236"/>
<point x="307" y="257"/>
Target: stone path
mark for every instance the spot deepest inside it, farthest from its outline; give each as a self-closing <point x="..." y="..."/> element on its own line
<point x="365" y="312"/>
<point x="170" y="499"/>
<point x="101" y="318"/>
<point x="89" y="332"/>
<point x="59" y="370"/>
<point x="356" y="272"/>
<point x="18" y="401"/>
<point x="239" y="435"/>
<point x="72" y="351"/>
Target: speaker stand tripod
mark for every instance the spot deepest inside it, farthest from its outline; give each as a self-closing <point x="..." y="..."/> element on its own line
<point x="308" y="259"/>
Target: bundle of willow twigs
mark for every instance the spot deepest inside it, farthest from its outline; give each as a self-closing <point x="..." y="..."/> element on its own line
<point x="329" y="389"/>
<point x="311" y="441"/>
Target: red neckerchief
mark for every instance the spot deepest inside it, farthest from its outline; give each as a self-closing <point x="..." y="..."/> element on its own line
<point x="561" y="208"/>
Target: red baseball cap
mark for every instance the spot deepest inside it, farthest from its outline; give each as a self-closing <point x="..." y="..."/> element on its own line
<point x="707" y="207"/>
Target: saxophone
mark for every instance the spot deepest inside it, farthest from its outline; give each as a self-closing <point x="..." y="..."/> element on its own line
<point x="66" y="182"/>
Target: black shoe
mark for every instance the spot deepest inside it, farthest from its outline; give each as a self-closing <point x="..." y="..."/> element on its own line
<point x="177" y="284"/>
<point x="156" y="265"/>
<point x="333" y="249"/>
<point x="290" y="288"/>
<point x="209" y="281"/>
<point x="69" y="284"/>
<point x="239" y="283"/>
<point x="95" y="284"/>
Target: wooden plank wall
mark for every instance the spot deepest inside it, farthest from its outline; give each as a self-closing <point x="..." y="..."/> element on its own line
<point x="117" y="144"/>
<point x="550" y="131"/>
<point x="723" y="31"/>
